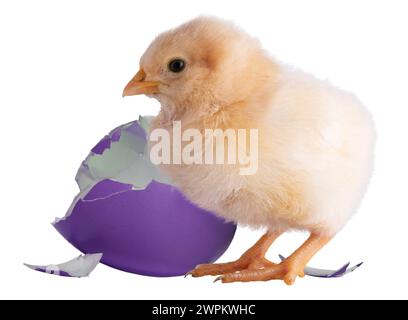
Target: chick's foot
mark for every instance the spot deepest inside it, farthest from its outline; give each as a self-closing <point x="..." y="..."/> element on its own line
<point x="286" y="271"/>
<point x="254" y="258"/>
<point x="230" y="267"/>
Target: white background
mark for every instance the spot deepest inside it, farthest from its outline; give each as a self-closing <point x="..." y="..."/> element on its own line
<point x="63" y="66"/>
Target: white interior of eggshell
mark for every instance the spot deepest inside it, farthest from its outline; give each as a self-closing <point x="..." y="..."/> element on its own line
<point x="126" y="160"/>
<point x="79" y="267"/>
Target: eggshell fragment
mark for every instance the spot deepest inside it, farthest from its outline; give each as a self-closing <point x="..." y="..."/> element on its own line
<point x="129" y="210"/>
<point x="79" y="267"/>
<point x="325" y="273"/>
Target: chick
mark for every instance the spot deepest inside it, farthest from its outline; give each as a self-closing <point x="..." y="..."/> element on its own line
<point x="315" y="141"/>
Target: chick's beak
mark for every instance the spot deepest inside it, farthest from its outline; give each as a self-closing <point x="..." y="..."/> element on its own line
<point x="138" y="85"/>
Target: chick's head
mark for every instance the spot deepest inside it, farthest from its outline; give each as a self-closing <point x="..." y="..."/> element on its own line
<point x="206" y="62"/>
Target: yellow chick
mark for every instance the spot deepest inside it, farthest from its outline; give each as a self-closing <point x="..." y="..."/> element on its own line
<point x="315" y="141"/>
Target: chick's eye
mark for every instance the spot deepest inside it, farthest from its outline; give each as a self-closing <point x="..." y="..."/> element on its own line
<point x="176" y="65"/>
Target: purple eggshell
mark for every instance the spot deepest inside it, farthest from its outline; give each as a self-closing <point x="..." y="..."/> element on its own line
<point x="54" y="272"/>
<point x="102" y="145"/>
<point x="106" y="188"/>
<point x="115" y="135"/>
<point x="133" y="127"/>
<point x="155" y="231"/>
<point x="340" y="272"/>
<point x="137" y="130"/>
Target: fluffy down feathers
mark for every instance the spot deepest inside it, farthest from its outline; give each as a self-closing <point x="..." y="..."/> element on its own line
<point x="315" y="141"/>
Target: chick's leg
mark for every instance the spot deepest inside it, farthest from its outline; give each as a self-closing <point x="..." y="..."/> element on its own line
<point x="253" y="258"/>
<point x="287" y="270"/>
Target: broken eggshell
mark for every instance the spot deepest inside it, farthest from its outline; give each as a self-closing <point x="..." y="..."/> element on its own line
<point x="79" y="267"/>
<point x="130" y="211"/>
<point x="325" y="273"/>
